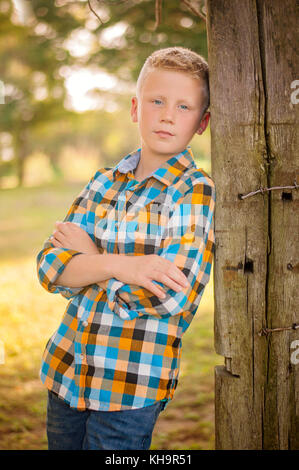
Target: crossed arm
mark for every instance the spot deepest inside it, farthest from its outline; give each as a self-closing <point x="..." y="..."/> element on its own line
<point x="86" y="268"/>
<point x="71" y="258"/>
<point x="91" y="267"/>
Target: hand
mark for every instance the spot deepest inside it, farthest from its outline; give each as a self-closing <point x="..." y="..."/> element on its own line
<point x="142" y="270"/>
<point x="70" y="235"/>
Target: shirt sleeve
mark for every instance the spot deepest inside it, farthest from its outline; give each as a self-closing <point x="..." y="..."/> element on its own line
<point x="189" y="244"/>
<point x="51" y="261"/>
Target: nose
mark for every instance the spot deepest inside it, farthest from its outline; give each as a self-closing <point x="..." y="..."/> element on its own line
<point x="167" y="114"/>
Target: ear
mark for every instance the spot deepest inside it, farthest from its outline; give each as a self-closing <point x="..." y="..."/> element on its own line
<point x="134" y="109"/>
<point x="203" y="123"/>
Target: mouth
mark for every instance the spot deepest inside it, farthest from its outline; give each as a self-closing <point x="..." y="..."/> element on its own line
<point x="164" y="134"/>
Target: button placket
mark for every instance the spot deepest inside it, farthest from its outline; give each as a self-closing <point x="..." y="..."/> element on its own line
<point x="83" y="354"/>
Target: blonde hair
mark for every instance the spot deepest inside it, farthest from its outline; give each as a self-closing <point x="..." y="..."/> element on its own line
<point x="178" y="59"/>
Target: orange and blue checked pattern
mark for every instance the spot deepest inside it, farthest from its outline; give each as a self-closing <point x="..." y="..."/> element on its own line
<point x="118" y="345"/>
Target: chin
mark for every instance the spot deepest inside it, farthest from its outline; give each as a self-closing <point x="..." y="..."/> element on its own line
<point x="165" y="152"/>
<point x="166" y="147"/>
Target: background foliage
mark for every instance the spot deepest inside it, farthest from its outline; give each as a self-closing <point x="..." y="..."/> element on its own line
<point x="51" y="143"/>
<point x="43" y="47"/>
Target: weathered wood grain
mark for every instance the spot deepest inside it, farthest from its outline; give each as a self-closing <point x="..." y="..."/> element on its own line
<point x="254" y="128"/>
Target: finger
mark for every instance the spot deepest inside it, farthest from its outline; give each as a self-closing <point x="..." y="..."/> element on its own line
<point x="61" y="226"/>
<point x="179" y="277"/>
<point x="155" y="289"/>
<point x="169" y="268"/>
<point x="170" y="283"/>
<point x="75" y="227"/>
<point x="171" y="277"/>
<point x="174" y="278"/>
<point x="55" y="242"/>
<point x="59" y="236"/>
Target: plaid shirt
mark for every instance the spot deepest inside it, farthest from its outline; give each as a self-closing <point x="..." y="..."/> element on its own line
<point x="118" y="346"/>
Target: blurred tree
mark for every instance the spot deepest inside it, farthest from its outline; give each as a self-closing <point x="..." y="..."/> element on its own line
<point x="32" y="52"/>
<point x="110" y="135"/>
<point x="127" y="32"/>
<point x="40" y="46"/>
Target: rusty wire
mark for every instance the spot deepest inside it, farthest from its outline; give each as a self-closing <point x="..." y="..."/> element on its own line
<point x="263" y="190"/>
<point x="267" y="331"/>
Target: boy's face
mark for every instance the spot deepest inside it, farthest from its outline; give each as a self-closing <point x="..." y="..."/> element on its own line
<point x="168" y="112"/>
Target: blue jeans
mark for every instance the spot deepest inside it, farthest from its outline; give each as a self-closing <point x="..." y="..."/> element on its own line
<point x="70" y="429"/>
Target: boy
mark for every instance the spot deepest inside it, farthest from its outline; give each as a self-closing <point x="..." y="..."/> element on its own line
<point x="133" y="254"/>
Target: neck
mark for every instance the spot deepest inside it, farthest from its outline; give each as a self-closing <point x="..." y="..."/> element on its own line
<point x="148" y="163"/>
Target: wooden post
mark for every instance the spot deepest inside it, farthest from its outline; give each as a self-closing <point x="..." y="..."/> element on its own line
<point x="254" y="128"/>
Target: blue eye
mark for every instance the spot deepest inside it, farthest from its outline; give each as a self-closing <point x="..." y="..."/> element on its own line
<point x="157" y="101"/>
<point x="183" y="106"/>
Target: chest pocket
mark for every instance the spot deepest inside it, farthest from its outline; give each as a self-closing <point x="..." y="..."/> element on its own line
<point x="104" y="229"/>
<point x="150" y="224"/>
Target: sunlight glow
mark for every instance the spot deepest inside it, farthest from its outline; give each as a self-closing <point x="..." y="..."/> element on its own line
<point x="80" y="83"/>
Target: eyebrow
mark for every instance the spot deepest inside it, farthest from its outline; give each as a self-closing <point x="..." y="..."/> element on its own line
<point x="153" y="95"/>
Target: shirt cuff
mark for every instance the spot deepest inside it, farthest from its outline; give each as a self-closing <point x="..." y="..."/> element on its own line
<point x="52" y="266"/>
<point x="67" y="292"/>
<point x="116" y="304"/>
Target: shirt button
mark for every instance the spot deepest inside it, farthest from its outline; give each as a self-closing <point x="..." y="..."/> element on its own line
<point x="85" y="323"/>
<point x="82" y="356"/>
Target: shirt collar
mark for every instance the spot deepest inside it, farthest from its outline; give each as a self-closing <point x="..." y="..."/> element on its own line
<point x="167" y="173"/>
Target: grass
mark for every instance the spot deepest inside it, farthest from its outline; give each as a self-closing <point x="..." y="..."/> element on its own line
<point x="29" y="315"/>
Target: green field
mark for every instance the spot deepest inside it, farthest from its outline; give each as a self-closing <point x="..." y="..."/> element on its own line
<point x="29" y="315"/>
